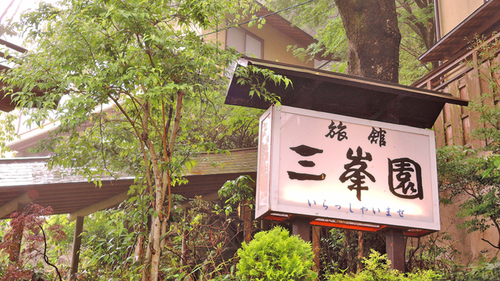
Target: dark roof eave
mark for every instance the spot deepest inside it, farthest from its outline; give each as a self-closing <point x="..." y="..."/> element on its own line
<point x="348" y="95"/>
<point x="362" y="82"/>
<point x="486" y="16"/>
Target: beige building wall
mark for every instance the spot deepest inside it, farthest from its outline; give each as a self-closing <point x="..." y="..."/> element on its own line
<point x="275" y="44"/>
<point x="471" y="246"/>
<point x="453" y="12"/>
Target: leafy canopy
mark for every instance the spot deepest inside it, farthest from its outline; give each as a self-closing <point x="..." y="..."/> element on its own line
<point x="136" y="55"/>
<point x="415" y="21"/>
<point x="127" y="83"/>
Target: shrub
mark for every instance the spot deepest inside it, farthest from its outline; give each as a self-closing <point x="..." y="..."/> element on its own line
<point x="377" y="267"/>
<point x="275" y="255"/>
<point x="483" y="271"/>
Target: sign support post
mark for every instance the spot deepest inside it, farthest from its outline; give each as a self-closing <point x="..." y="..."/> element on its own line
<point x="301" y="226"/>
<point x="394" y="246"/>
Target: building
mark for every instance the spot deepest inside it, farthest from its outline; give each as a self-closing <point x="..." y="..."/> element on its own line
<point x="460" y="72"/>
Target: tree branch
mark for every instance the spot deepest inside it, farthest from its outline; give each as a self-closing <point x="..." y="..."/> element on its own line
<point x="45" y="257"/>
<point x="146" y="164"/>
<point x="496" y="247"/>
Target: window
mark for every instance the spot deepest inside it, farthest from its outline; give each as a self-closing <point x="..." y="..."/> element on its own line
<point x="245" y="42"/>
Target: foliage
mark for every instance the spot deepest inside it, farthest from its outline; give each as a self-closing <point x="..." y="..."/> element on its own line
<point x="274" y="255"/>
<point x="484" y="271"/>
<point x="462" y="172"/>
<point x="416" y="22"/>
<point x="340" y="251"/>
<point x="480" y="271"/>
<point x="201" y="243"/>
<point x="237" y="191"/>
<point x="257" y="78"/>
<point x="321" y="16"/>
<point x="417" y="25"/>
<point x="227" y="127"/>
<point x="410" y="68"/>
<point x="488" y="70"/>
<point x="377" y="267"/>
<point x="132" y="80"/>
<point x="418" y="15"/>
<point x="333" y="255"/>
<point x="7" y="134"/>
<point x="435" y="252"/>
<point x="108" y="247"/>
<point x="27" y="226"/>
<point x="6" y="27"/>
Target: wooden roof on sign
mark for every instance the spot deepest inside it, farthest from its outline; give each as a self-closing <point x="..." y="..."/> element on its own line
<point x="345" y="95"/>
<point x="484" y="21"/>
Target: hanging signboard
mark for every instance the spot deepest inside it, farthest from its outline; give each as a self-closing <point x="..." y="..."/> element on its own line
<point x="330" y="166"/>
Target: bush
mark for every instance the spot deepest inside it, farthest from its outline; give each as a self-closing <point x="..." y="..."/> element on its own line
<point x="483" y="271"/>
<point x="377" y="267"/>
<point x="275" y="255"/>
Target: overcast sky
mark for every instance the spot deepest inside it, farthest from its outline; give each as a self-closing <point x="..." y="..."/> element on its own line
<point x="12" y="9"/>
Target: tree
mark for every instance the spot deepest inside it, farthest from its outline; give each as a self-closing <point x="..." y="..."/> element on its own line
<point x="28" y="226"/>
<point x="415" y="22"/>
<point x="144" y="58"/>
<point x="373" y="36"/>
<point x="418" y="15"/>
<point x="7" y="134"/>
<point x="373" y="40"/>
<point x="418" y="29"/>
<point x="463" y="178"/>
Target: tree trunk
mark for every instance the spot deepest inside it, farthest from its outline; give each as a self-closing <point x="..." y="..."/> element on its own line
<point x="162" y="183"/>
<point x="372" y="31"/>
<point x="350" y="255"/>
<point x="361" y="250"/>
<point x="373" y="35"/>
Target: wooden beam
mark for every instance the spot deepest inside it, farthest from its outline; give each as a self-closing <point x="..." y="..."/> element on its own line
<point x="21" y="200"/>
<point x="246" y="216"/>
<point x="110" y="202"/>
<point x="75" y="253"/>
<point x="13" y="46"/>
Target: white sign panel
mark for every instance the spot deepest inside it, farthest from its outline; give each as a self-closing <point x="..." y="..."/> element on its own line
<point x="332" y="166"/>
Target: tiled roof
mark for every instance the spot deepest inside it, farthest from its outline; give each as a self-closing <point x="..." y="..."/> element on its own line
<point x="34" y="171"/>
<point x="236" y="161"/>
<point x="67" y="193"/>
